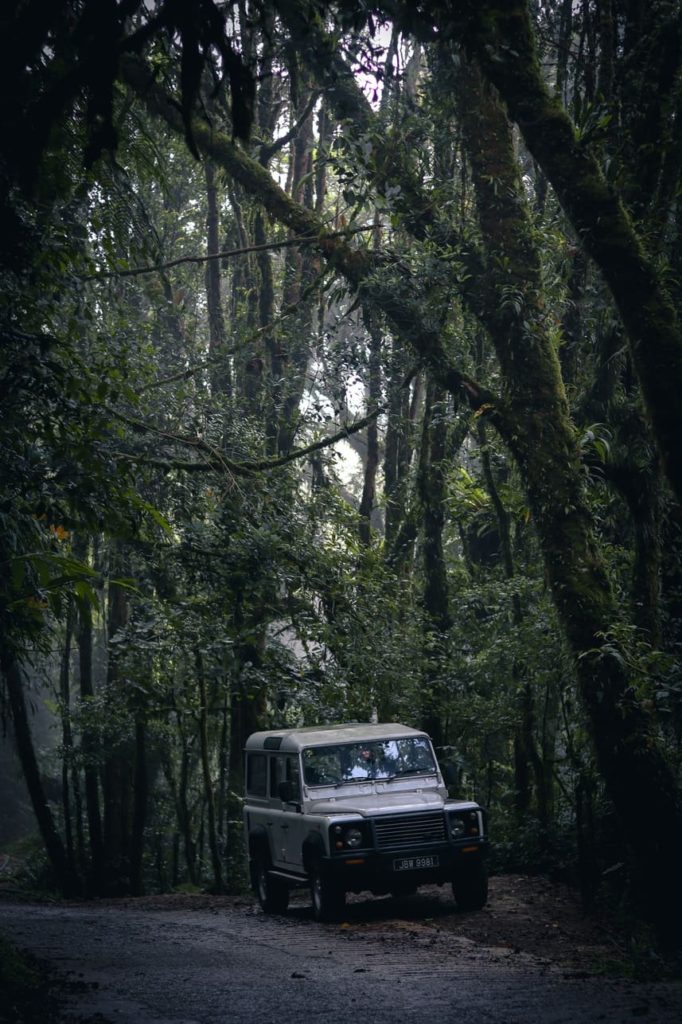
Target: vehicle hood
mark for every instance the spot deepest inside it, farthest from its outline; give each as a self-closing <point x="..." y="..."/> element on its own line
<point x="377" y="803"/>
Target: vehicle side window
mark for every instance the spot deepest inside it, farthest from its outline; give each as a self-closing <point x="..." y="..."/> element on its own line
<point x="256" y="775"/>
<point x="285" y="768"/>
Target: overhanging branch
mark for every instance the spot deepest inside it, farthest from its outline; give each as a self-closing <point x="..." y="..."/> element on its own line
<point x="225" y="254"/>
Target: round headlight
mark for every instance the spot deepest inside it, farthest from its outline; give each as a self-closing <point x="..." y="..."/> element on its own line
<point x="353" y="838"/>
<point x="457" y="828"/>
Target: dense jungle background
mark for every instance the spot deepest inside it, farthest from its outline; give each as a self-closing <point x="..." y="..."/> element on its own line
<point x="341" y="372"/>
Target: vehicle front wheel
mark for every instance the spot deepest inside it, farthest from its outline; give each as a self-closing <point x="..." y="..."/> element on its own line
<point x="470" y="886"/>
<point x="272" y="893"/>
<point x="327" y="897"/>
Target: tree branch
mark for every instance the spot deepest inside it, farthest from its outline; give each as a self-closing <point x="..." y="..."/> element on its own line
<point x="225" y="254"/>
<point x="268" y="151"/>
<point x="219" y="462"/>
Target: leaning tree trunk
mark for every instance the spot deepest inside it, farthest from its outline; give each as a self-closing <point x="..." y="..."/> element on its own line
<point x="56" y="853"/>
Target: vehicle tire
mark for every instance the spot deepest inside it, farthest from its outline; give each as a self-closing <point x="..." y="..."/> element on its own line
<point x="470" y="887"/>
<point x="328" y="898"/>
<point x="272" y="893"/>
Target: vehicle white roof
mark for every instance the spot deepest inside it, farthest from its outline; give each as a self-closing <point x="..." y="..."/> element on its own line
<point x="326" y="735"/>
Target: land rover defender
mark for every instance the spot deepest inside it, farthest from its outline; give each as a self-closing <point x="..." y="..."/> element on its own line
<point x="349" y="808"/>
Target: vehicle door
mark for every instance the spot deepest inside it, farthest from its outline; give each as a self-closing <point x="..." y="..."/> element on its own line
<point x="288" y="821"/>
<point x="257" y="812"/>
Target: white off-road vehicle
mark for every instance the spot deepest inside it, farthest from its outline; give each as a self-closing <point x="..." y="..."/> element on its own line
<point x="348" y="808"/>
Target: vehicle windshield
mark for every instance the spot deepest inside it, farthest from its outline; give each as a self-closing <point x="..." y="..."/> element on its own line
<point x="372" y="759"/>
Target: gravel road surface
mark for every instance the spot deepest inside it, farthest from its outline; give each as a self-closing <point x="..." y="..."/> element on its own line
<point x="238" y="966"/>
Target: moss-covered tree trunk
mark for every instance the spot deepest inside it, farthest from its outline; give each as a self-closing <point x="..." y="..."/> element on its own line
<point x="544" y="444"/>
<point x="501" y="36"/>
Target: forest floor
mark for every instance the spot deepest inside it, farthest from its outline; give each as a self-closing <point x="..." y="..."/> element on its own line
<point x="531" y="944"/>
<point x="525" y="914"/>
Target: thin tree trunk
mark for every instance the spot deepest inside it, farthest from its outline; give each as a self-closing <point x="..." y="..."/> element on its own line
<point x="372" y="457"/>
<point x="67" y="734"/>
<point x="206" y="775"/>
<point x="438" y="621"/>
<point x="222" y="378"/>
<point x="179" y="791"/>
<point x="140" y="801"/>
<point x="224" y="777"/>
<point x="117" y="775"/>
<point x="90" y="749"/>
<point x="89" y="745"/>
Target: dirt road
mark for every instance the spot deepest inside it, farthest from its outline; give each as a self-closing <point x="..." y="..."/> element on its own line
<point x="230" y="964"/>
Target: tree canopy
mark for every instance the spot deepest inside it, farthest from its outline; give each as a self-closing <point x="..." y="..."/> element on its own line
<point x="340" y="358"/>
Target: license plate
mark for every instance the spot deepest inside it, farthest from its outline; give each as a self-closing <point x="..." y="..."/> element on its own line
<point x="415" y="863"/>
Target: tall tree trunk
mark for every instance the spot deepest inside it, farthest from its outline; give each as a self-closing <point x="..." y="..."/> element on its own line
<point x="438" y="620"/>
<point x="372" y="455"/>
<point x="90" y="751"/>
<point x="221" y="375"/>
<point x="117" y="775"/>
<point x="292" y="355"/>
<point x="67" y="735"/>
<point x="528" y="767"/>
<point x="179" y="790"/>
<point x="396" y="444"/>
<point x="140" y="801"/>
<point x="222" y="819"/>
<point x="209" y="795"/>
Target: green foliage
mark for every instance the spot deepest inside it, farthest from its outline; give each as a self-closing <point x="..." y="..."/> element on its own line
<point x="214" y="600"/>
<point x="25" y="994"/>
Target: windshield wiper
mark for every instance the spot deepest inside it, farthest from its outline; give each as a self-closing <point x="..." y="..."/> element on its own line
<point x="410" y="771"/>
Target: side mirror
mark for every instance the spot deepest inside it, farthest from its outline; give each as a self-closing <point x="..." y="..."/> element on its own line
<point x="450" y="775"/>
<point x="287" y="792"/>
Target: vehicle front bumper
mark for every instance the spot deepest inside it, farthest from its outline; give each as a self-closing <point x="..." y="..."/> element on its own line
<point x="379" y="871"/>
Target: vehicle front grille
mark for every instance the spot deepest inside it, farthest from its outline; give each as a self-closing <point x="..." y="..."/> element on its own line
<point x="403" y="830"/>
